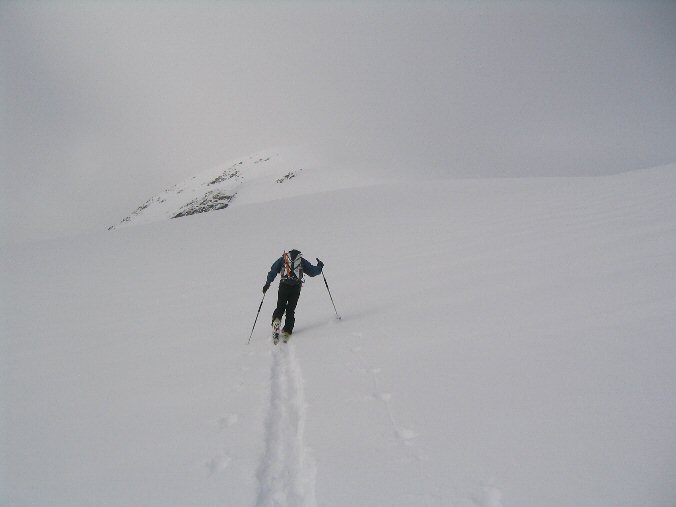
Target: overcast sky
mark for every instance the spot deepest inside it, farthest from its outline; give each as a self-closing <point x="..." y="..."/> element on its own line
<point x="104" y="104"/>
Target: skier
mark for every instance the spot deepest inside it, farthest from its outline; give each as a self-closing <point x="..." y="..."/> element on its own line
<point x="292" y="267"/>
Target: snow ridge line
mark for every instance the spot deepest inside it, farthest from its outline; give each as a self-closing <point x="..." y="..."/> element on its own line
<point x="286" y="475"/>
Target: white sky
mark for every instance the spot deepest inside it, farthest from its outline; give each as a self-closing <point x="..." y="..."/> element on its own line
<point x="104" y="104"/>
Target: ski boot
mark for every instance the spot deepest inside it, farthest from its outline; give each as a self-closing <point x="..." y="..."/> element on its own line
<point x="285" y="336"/>
<point x="275" y="331"/>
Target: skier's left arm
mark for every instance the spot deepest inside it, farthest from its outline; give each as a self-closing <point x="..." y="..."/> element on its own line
<point x="309" y="269"/>
<point x="274" y="269"/>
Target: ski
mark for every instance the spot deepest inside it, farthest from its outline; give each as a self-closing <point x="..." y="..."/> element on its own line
<point x="275" y="331"/>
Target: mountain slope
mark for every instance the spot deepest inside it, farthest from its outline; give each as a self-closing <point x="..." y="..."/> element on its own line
<point x="503" y="342"/>
<point x="265" y="176"/>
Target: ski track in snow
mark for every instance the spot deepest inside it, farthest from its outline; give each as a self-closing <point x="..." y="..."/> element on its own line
<point x="286" y="475"/>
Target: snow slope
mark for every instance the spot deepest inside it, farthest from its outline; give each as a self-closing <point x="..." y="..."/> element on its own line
<point x="504" y="342"/>
<point x="280" y="173"/>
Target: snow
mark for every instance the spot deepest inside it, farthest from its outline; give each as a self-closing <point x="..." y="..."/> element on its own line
<point x="261" y="177"/>
<point x="504" y="342"/>
<point x="287" y="469"/>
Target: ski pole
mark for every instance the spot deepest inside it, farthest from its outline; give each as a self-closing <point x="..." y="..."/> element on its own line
<point x="327" y="288"/>
<point x="256" y="320"/>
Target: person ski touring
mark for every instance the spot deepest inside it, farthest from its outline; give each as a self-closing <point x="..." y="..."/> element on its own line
<point x="292" y="267"/>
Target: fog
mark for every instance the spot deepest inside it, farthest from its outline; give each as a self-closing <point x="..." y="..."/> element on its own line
<point x="104" y="104"/>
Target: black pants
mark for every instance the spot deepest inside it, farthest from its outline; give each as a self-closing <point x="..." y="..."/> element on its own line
<point x="287" y="299"/>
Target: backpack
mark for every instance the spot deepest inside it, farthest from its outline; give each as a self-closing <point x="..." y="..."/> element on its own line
<point x="292" y="268"/>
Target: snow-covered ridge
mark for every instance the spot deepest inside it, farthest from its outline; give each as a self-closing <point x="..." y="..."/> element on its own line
<point x="214" y="189"/>
<point x="259" y="177"/>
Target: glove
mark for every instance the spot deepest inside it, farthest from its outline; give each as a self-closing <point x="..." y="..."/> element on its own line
<point x="320" y="264"/>
<point x="266" y="287"/>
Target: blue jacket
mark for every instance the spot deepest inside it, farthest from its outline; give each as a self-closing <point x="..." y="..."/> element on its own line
<point x="308" y="269"/>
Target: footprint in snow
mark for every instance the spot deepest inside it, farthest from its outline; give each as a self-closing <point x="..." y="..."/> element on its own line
<point x="406" y="434"/>
<point x="490" y="496"/>
<point x="218" y="463"/>
<point x="225" y="422"/>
